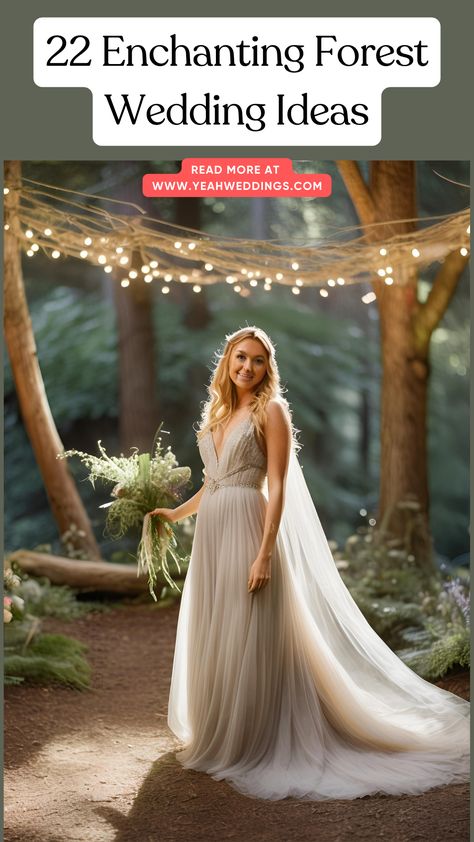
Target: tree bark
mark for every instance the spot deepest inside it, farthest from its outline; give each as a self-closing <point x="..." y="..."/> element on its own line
<point x="139" y="415"/>
<point x="85" y="575"/>
<point x="66" y="505"/>
<point x="406" y="326"/>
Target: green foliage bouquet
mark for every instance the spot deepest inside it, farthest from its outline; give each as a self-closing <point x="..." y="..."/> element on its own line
<point x="141" y="483"/>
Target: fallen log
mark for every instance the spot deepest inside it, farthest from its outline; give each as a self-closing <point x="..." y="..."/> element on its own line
<point x="85" y="575"/>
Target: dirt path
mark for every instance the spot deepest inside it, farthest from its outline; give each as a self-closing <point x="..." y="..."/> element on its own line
<point x="100" y="765"/>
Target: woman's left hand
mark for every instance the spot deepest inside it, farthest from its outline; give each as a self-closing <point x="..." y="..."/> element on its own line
<point x="259" y="575"/>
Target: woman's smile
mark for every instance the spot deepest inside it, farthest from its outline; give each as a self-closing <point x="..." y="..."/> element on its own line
<point x="248" y="363"/>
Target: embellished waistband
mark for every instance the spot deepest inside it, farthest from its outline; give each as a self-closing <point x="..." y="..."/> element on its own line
<point x="214" y="484"/>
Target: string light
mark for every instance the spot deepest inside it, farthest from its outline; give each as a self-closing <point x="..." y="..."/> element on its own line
<point x="165" y="290"/>
<point x="155" y="273"/>
<point x="145" y="269"/>
<point x="267" y="287"/>
<point x="183" y="278"/>
<point x="168" y="277"/>
<point x="55" y="254"/>
<point x="323" y="293"/>
<point x="35" y="247"/>
<point x="254" y="283"/>
<point x="30" y="253"/>
<point x="196" y="288"/>
<point x="237" y="288"/>
<point x="133" y="274"/>
<point x="6" y="227"/>
<point x="6" y="191"/>
<point x="148" y="278"/>
<point x="108" y="269"/>
<point x="369" y="297"/>
<point x="43" y="209"/>
<point x="124" y="282"/>
<point x="381" y="272"/>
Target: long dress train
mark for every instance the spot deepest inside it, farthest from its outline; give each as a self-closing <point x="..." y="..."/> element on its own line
<point x="289" y="691"/>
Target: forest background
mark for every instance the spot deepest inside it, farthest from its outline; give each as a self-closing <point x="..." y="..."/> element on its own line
<point x="328" y="351"/>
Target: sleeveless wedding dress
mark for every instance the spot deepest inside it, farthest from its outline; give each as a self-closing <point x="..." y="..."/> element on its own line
<point x="289" y="691"/>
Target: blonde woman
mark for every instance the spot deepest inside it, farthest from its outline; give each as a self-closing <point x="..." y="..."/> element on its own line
<point x="279" y="684"/>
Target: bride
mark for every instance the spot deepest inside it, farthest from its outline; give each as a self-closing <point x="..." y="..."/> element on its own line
<point x="279" y="684"/>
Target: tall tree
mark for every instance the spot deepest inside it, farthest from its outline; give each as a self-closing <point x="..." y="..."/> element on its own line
<point x="138" y="409"/>
<point x="65" y="502"/>
<point x="406" y="326"/>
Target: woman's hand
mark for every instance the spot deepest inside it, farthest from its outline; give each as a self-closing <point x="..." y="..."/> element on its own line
<point x="166" y="514"/>
<point x="259" y="575"/>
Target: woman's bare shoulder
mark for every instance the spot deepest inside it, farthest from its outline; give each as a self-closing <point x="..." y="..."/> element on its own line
<point x="277" y="414"/>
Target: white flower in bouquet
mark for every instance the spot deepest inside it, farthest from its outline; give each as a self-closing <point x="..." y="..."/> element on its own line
<point x="141" y="482"/>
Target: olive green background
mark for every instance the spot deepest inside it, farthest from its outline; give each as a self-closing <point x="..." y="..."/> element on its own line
<point x="46" y="123"/>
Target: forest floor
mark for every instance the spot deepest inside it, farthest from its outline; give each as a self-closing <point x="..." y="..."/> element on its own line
<point x="99" y="766"/>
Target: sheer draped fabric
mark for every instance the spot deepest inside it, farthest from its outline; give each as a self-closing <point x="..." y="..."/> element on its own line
<point x="289" y="691"/>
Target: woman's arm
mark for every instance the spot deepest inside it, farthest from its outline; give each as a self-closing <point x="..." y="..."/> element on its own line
<point x="186" y="509"/>
<point x="278" y="441"/>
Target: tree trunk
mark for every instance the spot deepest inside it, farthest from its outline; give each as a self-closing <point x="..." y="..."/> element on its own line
<point x="403" y="471"/>
<point x="85" y="575"/>
<point x="139" y="416"/>
<point x="406" y="326"/>
<point x="65" y="502"/>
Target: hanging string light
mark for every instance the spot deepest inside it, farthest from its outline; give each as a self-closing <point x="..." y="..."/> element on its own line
<point x="61" y="223"/>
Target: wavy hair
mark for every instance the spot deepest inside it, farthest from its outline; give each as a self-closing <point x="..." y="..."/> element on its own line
<point x="222" y="399"/>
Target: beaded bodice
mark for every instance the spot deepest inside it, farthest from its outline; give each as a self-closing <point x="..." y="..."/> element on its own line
<point x="241" y="461"/>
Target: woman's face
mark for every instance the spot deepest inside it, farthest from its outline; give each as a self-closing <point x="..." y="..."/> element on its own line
<point x="247" y="364"/>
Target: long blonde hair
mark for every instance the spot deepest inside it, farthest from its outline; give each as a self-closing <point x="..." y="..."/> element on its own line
<point x="222" y="399"/>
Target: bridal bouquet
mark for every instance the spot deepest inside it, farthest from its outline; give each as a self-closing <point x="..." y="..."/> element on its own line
<point x="141" y="482"/>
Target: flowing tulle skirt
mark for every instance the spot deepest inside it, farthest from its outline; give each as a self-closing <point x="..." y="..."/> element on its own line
<point x="256" y="697"/>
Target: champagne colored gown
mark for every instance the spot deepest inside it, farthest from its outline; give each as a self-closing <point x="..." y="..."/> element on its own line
<point x="289" y="691"/>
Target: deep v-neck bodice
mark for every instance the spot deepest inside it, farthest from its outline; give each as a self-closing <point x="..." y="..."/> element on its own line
<point x="220" y="453"/>
<point x="240" y="460"/>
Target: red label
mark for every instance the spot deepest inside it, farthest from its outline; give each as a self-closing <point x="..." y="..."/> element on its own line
<point x="237" y="177"/>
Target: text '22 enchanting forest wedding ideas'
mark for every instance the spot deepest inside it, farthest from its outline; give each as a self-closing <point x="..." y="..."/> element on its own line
<point x="286" y="81"/>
